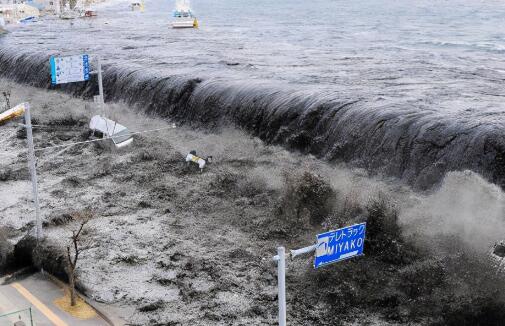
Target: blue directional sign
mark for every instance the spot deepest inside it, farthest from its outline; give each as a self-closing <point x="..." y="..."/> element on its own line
<point x="69" y="69"/>
<point x="341" y="244"/>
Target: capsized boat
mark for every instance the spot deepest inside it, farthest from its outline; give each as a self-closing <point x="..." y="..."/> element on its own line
<point x="183" y="16"/>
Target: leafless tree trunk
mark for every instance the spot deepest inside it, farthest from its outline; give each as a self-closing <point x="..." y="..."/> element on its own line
<point x="72" y="257"/>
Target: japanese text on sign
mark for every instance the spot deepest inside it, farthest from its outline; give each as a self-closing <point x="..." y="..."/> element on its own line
<point x="344" y="243"/>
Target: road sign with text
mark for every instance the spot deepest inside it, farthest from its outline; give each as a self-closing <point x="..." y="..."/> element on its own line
<point x="341" y="244"/>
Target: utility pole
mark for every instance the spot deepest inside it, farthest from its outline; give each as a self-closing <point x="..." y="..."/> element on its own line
<point x="33" y="170"/>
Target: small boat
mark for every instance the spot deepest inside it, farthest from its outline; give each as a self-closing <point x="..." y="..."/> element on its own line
<point x="16" y="111"/>
<point x="137" y="6"/>
<point x="26" y="20"/>
<point x="90" y="13"/>
<point x="183" y="16"/>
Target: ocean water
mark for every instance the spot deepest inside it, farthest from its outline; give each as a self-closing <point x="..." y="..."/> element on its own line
<point x="445" y="55"/>
<point x="411" y="85"/>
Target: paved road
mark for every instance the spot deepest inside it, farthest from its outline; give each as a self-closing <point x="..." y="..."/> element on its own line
<point x="38" y="292"/>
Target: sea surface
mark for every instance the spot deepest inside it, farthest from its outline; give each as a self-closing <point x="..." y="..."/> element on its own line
<point x="443" y="55"/>
<point x="416" y="87"/>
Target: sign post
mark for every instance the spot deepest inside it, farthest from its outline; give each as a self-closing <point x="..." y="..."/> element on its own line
<point x="281" y="283"/>
<point x="33" y="170"/>
<point x="76" y="68"/>
<point x="330" y="247"/>
<point x="100" y="84"/>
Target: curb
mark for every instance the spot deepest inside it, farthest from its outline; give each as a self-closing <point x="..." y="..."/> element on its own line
<point x="112" y="321"/>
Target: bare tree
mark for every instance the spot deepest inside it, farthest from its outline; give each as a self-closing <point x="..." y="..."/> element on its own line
<point x="73" y="254"/>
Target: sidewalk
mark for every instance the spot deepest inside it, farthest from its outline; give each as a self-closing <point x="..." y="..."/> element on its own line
<point x="40" y="293"/>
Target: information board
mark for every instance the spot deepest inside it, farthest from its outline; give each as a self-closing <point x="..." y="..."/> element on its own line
<point x="69" y="69"/>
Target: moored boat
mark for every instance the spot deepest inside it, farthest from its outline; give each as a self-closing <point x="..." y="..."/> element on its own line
<point x="137" y="6"/>
<point x="183" y="16"/>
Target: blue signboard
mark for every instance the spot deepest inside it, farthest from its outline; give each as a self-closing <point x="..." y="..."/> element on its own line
<point x="341" y="244"/>
<point x="69" y="69"/>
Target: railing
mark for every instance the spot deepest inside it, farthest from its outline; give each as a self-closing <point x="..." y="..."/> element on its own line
<point x="24" y="318"/>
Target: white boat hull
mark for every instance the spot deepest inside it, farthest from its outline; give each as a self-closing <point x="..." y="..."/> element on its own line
<point x="190" y="23"/>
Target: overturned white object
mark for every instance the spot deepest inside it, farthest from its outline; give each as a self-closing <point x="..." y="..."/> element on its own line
<point x="191" y="157"/>
<point x="119" y="134"/>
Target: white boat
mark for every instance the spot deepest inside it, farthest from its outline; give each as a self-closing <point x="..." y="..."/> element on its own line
<point x="183" y="16"/>
<point x="137" y="6"/>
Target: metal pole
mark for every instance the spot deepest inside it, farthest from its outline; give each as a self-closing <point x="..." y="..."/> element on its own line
<point x="100" y="84"/>
<point x="305" y="250"/>
<point x="31" y="317"/>
<point x="281" y="280"/>
<point x="33" y="170"/>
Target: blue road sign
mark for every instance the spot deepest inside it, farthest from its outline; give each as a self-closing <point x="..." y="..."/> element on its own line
<point x="341" y="244"/>
<point x="69" y="69"/>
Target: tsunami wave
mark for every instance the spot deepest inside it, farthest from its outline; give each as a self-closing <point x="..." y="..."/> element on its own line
<point x="417" y="146"/>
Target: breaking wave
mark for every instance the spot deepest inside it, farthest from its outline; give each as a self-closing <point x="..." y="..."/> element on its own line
<point x="414" y="145"/>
